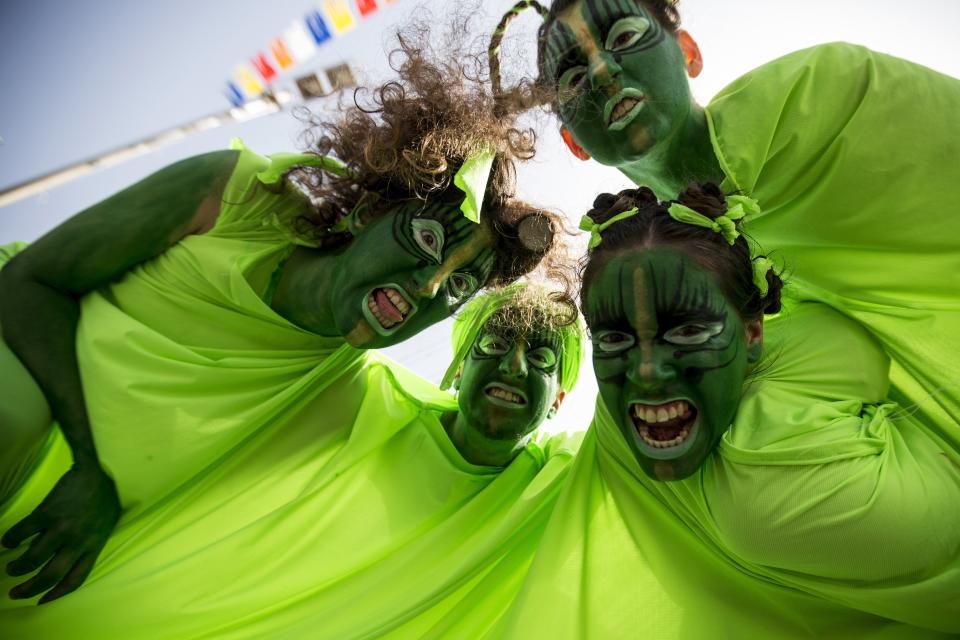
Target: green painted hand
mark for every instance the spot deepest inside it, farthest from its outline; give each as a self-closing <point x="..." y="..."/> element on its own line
<point x="71" y="526"/>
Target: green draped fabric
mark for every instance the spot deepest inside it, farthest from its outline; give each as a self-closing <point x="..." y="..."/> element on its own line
<point x="276" y="484"/>
<point x="391" y="532"/>
<point x="832" y="506"/>
<point x="853" y="157"/>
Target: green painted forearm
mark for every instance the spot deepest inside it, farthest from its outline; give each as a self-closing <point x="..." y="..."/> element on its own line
<point x="40" y="325"/>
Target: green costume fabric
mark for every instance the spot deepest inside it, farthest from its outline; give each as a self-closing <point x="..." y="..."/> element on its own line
<point x="474" y="314"/>
<point x="392" y="534"/>
<point x="852" y="156"/>
<point x="831" y="506"/>
<point x="276" y="484"/>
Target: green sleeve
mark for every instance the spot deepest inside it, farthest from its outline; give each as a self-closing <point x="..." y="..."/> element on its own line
<point x="852" y="155"/>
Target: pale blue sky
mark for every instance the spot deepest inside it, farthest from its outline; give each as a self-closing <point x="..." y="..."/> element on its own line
<point x="80" y="78"/>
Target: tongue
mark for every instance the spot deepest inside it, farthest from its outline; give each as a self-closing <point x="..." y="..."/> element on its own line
<point x="386" y="306"/>
<point x="664" y="432"/>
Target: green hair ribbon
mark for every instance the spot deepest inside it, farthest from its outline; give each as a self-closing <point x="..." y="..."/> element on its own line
<point x="587" y="224"/>
<point x="738" y="207"/>
<point x="472" y="179"/>
<point x="761" y="266"/>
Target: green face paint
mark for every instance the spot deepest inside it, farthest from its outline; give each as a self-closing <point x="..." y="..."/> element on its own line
<point x="670" y="356"/>
<point x="620" y="78"/>
<point x="509" y="381"/>
<point x="406" y="271"/>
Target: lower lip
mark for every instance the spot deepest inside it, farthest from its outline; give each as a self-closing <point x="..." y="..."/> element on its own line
<point x="623" y="122"/>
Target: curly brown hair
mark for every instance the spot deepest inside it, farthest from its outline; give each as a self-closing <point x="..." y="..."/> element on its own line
<point x="406" y="139"/>
<point x="653" y="226"/>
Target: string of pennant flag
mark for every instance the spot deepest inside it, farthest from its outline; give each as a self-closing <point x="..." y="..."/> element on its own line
<point x="297" y="44"/>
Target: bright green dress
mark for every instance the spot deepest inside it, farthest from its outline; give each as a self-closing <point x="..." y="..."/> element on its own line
<point x="276" y="484"/>
<point x="831" y="508"/>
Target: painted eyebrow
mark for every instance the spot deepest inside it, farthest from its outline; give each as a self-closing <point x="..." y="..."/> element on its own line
<point x="691" y="305"/>
<point x="679" y="304"/>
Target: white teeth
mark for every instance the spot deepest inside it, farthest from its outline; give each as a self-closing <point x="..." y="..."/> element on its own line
<point x="381" y="318"/>
<point x="623" y="108"/>
<point x="662" y="413"/>
<point x="663" y="444"/>
<point x="503" y="394"/>
<point x="397" y="300"/>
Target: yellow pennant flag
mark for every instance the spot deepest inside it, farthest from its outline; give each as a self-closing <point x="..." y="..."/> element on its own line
<point x="340" y="16"/>
<point x="247" y="81"/>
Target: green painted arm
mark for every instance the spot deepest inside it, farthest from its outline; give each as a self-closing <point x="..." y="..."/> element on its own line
<point x="40" y="290"/>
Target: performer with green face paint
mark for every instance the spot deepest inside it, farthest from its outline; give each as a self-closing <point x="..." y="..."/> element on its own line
<point x="742" y="478"/>
<point x="422" y="525"/>
<point x="228" y="293"/>
<point x="849" y="153"/>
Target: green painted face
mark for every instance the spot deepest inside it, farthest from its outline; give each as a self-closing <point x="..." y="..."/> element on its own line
<point x="670" y="355"/>
<point x="407" y="271"/>
<point x="620" y="78"/>
<point x="509" y="381"/>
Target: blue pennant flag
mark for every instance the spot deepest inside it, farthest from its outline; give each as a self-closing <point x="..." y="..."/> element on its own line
<point x="234" y="95"/>
<point x="318" y="27"/>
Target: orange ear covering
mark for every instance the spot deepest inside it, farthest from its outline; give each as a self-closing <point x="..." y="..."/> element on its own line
<point x="575" y="149"/>
<point x="691" y="53"/>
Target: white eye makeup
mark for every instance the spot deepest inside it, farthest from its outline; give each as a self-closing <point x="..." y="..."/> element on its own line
<point x="493" y="345"/>
<point x="542" y="358"/>
<point x="461" y="286"/>
<point x="626" y="32"/>
<point x="571" y="83"/>
<point x="428" y="234"/>
<point x="693" y="333"/>
<point x="609" y="341"/>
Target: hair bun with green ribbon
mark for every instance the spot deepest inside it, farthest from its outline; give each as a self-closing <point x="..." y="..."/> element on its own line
<point x="595" y="229"/>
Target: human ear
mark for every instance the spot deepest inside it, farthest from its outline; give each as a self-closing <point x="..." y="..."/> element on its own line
<point x="575" y="149"/>
<point x="691" y="53"/>
<point x="556" y="403"/>
<point x="754" y="334"/>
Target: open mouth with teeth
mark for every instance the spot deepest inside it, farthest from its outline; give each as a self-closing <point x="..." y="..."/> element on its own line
<point x="387" y="308"/>
<point x="623" y="108"/>
<point x="665" y="429"/>
<point x="505" y="396"/>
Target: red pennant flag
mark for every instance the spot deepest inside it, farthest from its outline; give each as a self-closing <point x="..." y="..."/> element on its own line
<point x="366" y="7"/>
<point x="263" y="67"/>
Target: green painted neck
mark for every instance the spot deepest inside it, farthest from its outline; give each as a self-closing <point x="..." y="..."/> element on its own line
<point x="688" y="158"/>
<point x="478" y="449"/>
<point x="307" y="275"/>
